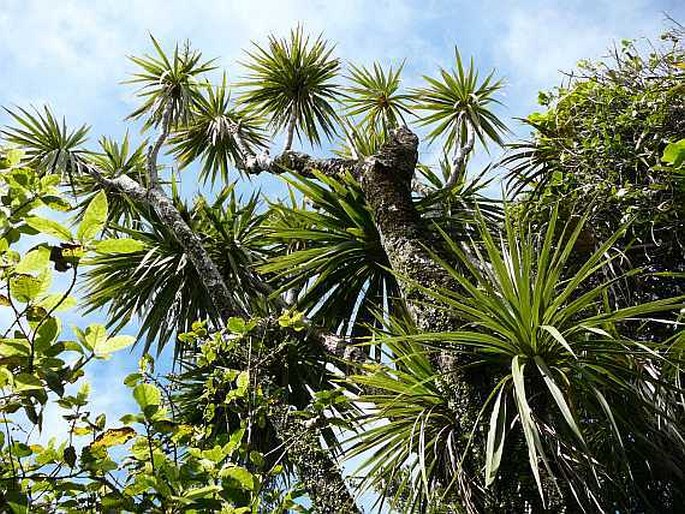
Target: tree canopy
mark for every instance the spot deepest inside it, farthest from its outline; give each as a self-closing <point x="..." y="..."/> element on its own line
<point x="472" y="354"/>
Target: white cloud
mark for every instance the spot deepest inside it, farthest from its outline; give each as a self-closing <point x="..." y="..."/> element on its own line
<point x="541" y="39"/>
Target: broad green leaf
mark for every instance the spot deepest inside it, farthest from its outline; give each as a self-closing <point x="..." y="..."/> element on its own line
<point x="70" y="456"/>
<point x="82" y="431"/>
<point x="27" y="382"/>
<point x="13" y="157"/>
<point x="6" y="377"/>
<point x="47" y="334"/>
<point x="83" y="392"/>
<point x="94" y="218"/>
<point x="132" y="379"/>
<point x="236" y="325"/>
<point x="58" y="302"/>
<point x="14" y="347"/>
<point x="49" y="227"/>
<point x="148" y="397"/>
<point x="95" y="335"/>
<point x="26" y="288"/>
<point x="34" y="261"/>
<point x="114" y="246"/>
<point x="674" y="153"/>
<point x="239" y="476"/>
<point x="243" y="381"/>
<point x="201" y="492"/>
<point x="113" y="344"/>
<point x="56" y="203"/>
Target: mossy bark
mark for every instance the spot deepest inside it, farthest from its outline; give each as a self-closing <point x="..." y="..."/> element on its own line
<point x="319" y="473"/>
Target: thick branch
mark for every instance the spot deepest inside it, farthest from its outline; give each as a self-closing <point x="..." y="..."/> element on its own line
<point x="386" y="182"/>
<point x="319" y="473"/>
<point x="289" y="160"/>
<point x="191" y="243"/>
<point x="300" y="163"/>
<point x="339" y="347"/>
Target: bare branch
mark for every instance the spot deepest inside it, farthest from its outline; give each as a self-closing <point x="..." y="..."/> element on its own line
<point x="290" y="131"/>
<point x="460" y="155"/>
<point x="289" y="160"/>
<point x="153" y="150"/>
<point x="300" y="163"/>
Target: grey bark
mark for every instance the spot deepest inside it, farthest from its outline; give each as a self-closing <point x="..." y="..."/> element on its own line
<point x="460" y="155"/>
<point x="290" y="131"/>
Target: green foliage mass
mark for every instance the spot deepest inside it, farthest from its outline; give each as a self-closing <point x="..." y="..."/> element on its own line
<point x="148" y="461"/>
<point x="552" y="382"/>
<point x="598" y="147"/>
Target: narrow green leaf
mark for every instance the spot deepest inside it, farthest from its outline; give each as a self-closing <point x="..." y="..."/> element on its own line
<point x="560" y="338"/>
<point x="529" y="429"/>
<point x="558" y="397"/>
<point x="496" y="435"/>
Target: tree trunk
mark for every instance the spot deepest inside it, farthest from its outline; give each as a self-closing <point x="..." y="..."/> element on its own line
<point x="319" y="473"/>
<point x="386" y="182"/>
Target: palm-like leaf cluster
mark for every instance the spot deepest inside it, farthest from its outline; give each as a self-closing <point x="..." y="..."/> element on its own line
<point x="589" y="403"/>
<point x="159" y="285"/>
<point x="290" y="82"/>
<point x="411" y="435"/>
<point x="455" y="209"/>
<point x="374" y="95"/>
<point x="48" y="145"/>
<point x="458" y="101"/>
<point x="210" y="134"/>
<point x="168" y="84"/>
<point x="332" y="253"/>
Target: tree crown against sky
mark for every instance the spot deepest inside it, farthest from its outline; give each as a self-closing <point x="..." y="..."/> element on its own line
<point x="503" y="348"/>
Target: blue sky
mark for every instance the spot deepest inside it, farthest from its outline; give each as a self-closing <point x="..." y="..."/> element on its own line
<point x="71" y="54"/>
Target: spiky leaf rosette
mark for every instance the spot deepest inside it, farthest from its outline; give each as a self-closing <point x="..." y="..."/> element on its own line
<point x="168" y="84"/>
<point x="210" y="136"/>
<point x="48" y="145"/>
<point x="290" y="82"/>
<point x="375" y="95"/>
<point x="589" y="407"/>
<point x="456" y="101"/>
<point x="331" y="251"/>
